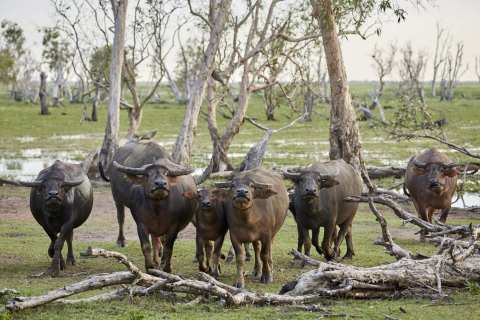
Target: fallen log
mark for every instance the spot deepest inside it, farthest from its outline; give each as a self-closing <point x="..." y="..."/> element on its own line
<point x="405" y="277"/>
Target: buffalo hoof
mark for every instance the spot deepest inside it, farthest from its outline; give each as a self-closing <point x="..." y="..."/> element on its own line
<point x="121" y="243"/>
<point x="266" y="278"/>
<point x="256" y="274"/>
<point x="70" y="260"/>
<point x="52" y="272"/>
<point x="215" y="273"/>
<point x="239" y="284"/>
<point x="348" y="255"/>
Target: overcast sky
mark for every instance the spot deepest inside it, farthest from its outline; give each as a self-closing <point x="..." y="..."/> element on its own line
<point x="460" y="17"/>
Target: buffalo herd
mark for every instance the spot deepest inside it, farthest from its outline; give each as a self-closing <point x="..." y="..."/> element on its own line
<point x="251" y="205"/>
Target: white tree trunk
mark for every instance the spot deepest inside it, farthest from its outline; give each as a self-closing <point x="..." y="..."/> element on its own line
<point x="110" y="141"/>
<point x="344" y="134"/>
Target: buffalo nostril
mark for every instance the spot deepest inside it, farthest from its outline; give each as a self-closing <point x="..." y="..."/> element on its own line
<point x="53" y="193"/>
<point x="160" y="184"/>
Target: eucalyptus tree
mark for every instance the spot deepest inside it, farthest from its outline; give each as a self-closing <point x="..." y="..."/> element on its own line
<point x="12" y="50"/>
<point x="336" y="18"/>
<point x="453" y="69"/>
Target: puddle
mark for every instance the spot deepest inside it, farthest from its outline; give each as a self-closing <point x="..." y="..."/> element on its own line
<point x="467" y="200"/>
<point x="32" y="161"/>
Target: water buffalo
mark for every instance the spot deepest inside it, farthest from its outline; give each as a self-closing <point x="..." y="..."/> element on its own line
<point x="61" y="200"/>
<point x="255" y="209"/>
<point x="431" y="180"/>
<point x="144" y="179"/>
<point x="211" y="226"/>
<point x="318" y="202"/>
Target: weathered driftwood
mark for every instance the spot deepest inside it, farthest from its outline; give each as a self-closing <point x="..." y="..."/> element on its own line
<point x="91" y="283"/>
<point x="159" y="282"/>
<point x="451" y="268"/>
<point x="430" y="230"/>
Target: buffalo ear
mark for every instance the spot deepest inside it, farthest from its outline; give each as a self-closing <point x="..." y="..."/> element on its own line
<point x="190" y="195"/>
<point x="328" y="182"/>
<point x="263" y="192"/>
<point x="451" y="172"/>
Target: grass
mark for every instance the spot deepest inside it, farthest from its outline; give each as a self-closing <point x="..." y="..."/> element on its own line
<point x="23" y="243"/>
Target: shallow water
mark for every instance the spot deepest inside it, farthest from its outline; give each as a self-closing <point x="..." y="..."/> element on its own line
<point x="32" y="161"/>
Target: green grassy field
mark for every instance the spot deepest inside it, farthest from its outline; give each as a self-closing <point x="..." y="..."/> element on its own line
<point x="23" y="244"/>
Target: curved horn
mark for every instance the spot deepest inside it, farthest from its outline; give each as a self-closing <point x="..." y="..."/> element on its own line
<point x="419" y="164"/>
<point x="223" y="185"/>
<point x="449" y="165"/>
<point x="291" y="175"/>
<point x="28" y="184"/>
<point x="173" y="168"/>
<point x="262" y="185"/>
<point x="129" y="170"/>
<point x="73" y="183"/>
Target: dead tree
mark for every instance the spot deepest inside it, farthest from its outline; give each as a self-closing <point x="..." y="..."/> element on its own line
<point x="383" y="67"/>
<point x="453" y="69"/>
<point x="441" y="44"/>
<point x="412" y="69"/>
<point x="43" y="94"/>
<point x="110" y="141"/>
<point x="247" y="57"/>
<point x="218" y="11"/>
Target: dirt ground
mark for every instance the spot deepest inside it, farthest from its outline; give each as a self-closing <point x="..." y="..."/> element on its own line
<point x="100" y="226"/>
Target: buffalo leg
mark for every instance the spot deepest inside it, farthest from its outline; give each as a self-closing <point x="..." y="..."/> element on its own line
<point x="307" y="242"/>
<point x="430" y="212"/>
<point x="328" y="234"/>
<point x="339" y="238"/>
<point x="70" y="256"/>
<point x="57" y="261"/>
<point x="121" y="222"/>
<point x="349" y="239"/>
<point x="201" y="246"/>
<point x="157" y="250"/>
<point x="168" y="250"/>
<point x="217" y="252"/>
<point x="266" y="255"/>
<point x="315" y="233"/>
<point x="300" y="238"/>
<point x="257" y="269"/>
<point x="240" y="259"/>
<point x="444" y="215"/>
<point x="208" y="254"/>
<point x="145" y="246"/>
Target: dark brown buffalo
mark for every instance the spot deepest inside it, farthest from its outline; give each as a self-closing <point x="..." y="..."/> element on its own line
<point x="431" y="180"/>
<point x="318" y="202"/>
<point x="61" y="200"/>
<point x="256" y="209"/>
<point x="144" y="179"/>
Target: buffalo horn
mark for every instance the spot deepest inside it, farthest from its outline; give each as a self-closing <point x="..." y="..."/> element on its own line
<point x="419" y="164"/>
<point x="73" y="183"/>
<point x="291" y="175"/>
<point x="173" y="168"/>
<point x="29" y="184"/>
<point x="129" y="170"/>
